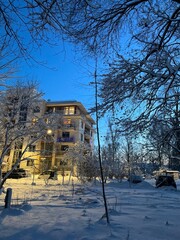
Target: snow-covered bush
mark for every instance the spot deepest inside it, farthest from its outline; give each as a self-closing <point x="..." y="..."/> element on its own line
<point x="84" y="164"/>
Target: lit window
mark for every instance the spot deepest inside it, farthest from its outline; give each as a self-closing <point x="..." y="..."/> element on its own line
<point x="34" y="121"/>
<point x="66" y="111"/>
<point x="46" y="120"/>
<point x="67" y="121"/>
<point x="30" y="163"/>
<point x="69" y="111"/>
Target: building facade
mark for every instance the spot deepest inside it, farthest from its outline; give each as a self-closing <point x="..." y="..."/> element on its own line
<point x="75" y="125"/>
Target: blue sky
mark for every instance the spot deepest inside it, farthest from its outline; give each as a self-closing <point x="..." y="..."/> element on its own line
<point x="64" y="75"/>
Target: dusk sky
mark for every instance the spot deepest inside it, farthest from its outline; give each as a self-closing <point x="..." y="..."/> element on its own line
<point x="64" y="76"/>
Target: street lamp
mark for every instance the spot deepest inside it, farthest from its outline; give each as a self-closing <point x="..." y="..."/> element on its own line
<point x="49" y="131"/>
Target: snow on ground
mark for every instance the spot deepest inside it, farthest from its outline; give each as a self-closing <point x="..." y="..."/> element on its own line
<point x="76" y="212"/>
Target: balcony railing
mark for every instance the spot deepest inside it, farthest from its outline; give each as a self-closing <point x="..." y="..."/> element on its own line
<point x="65" y="139"/>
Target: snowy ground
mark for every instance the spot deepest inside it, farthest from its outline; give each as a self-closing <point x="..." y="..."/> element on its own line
<point x="75" y="212"/>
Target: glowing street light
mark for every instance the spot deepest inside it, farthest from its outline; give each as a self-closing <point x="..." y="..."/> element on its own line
<point x="49" y="131"/>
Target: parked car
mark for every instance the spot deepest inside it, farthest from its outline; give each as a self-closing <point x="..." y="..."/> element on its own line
<point x="165" y="180"/>
<point x="135" y="179"/>
<point x="17" y="173"/>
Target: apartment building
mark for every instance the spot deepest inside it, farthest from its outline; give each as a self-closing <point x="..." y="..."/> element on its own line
<point x="47" y="153"/>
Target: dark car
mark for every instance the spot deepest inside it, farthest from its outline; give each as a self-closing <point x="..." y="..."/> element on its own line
<point x="135" y="179"/>
<point x="17" y="173"/>
<point x="165" y="180"/>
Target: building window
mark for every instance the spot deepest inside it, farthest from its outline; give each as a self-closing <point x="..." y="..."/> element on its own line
<point x="65" y="134"/>
<point x="34" y="136"/>
<point x="30" y="163"/>
<point x="69" y="111"/>
<point x="36" y="109"/>
<point x="64" y="147"/>
<point x="34" y="121"/>
<point x="46" y="120"/>
<point x="19" y="144"/>
<point x="49" y="110"/>
<point x="23" y="114"/>
<point x="16" y="156"/>
<point x="22" y="117"/>
<point x="67" y="121"/>
<point x="82" y="137"/>
<point x="82" y="125"/>
<point x="32" y="148"/>
<point x="8" y="151"/>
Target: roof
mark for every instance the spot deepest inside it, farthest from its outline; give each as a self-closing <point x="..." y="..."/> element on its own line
<point x="71" y="103"/>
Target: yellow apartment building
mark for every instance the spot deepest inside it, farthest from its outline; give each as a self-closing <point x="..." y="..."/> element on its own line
<point x="76" y="126"/>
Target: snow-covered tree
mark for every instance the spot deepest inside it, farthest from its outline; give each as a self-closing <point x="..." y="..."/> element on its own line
<point x="26" y="25"/>
<point x="158" y="141"/>
<point x="110" y="150"/>
<point x="21" y="124"/>
<point x="163" y="135"/>
<point x="84" y="165"/>
<point x="140" y="41"/>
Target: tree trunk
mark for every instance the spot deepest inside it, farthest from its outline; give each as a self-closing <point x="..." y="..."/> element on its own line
<point x="99" y="145"/>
